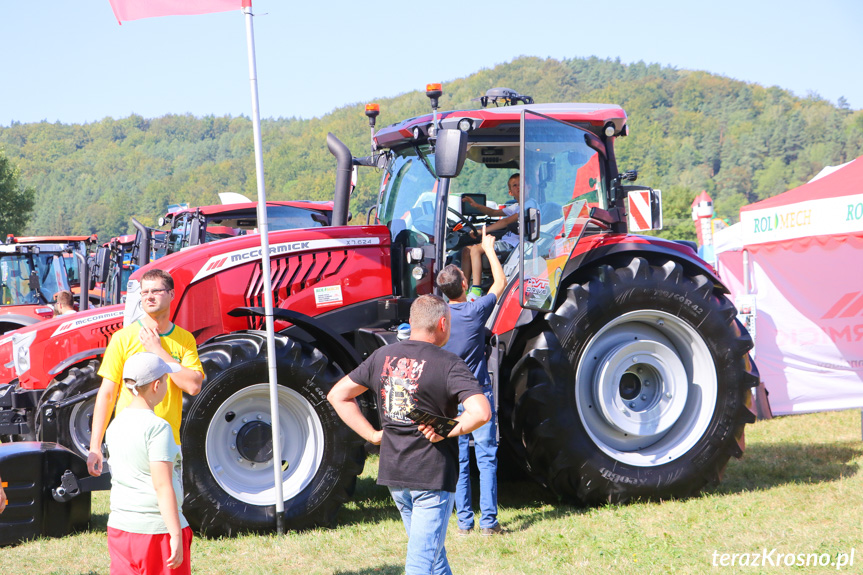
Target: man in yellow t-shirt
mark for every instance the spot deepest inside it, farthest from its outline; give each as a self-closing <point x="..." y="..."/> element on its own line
<point x="157" y="334"/>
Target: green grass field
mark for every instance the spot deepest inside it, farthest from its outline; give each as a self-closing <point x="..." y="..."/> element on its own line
<point x="797" y="491"/>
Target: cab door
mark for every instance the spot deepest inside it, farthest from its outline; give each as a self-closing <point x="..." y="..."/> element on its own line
<point x="562" y="177"/>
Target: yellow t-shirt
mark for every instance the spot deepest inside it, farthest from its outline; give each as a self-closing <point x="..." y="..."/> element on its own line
<point x="179" y="343"/>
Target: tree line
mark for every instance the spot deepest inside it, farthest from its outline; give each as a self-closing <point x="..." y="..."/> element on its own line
<point x="690" y="131"/>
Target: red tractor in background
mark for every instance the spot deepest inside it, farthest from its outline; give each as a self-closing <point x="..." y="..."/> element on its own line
<point x="33" y="269"/>
<point x="194" y="226"/>
<point x="112" y="266"/>
<point x="620" y="368"/>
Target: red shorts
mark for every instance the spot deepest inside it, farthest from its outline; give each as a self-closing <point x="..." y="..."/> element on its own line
<point x="140" y="554"/>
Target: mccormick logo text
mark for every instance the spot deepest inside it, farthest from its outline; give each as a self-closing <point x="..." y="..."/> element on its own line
<point x="839" y="325"/>
<point x="278" y="249"/>
<point x="226" y="261"/>
<point x="80" y="322"/>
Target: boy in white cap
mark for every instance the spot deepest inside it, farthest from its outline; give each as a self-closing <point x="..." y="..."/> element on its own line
<point x="147" y="532"/>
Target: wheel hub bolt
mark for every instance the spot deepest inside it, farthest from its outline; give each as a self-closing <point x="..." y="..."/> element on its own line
<point x="234" y="446"/>
<point x="643" y="397"/>
<point x="245" y="420"/>
<point x="668" y="395"/>
<point x="260" y="417"/>
<point x="634" y="360"/>
<point x="239" y="460"/>
<point x="235" y="431"/>
<point x="632" y="405"/>
<point x="660" y="323"/>
<point x="646" y="382"/>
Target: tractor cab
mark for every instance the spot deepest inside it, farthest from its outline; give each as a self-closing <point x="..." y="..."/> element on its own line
<point x="33" y="270"/>
<point x="194" y="226"/>
<point x="564" y="158"/>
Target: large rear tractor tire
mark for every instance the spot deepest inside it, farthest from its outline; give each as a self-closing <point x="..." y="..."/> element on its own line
<point x="227" y="439"/>
<point x="74" y="422"/>
<point x="640" y="387"/>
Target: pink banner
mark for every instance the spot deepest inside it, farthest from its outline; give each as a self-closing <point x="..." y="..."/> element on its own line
<point x="809" y="336"/>
<point x="126" y="10"/>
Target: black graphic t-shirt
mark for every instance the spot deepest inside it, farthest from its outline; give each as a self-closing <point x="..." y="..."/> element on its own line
<point x="415" y="374"/>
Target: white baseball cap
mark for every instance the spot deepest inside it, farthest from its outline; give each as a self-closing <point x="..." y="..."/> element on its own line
<point x="145" y="367"/>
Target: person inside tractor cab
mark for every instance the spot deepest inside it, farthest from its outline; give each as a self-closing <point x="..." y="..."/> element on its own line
<point x="472" y="255"/>
<point x="63" y="303"/>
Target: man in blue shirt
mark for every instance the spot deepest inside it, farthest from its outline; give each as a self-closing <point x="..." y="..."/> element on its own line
<point x="467" y="340"/>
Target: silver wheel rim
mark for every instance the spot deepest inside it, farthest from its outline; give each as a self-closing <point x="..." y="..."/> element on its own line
<point x="302" y="442"/>
<point x="80" y="423"/>
<point x="646" y="388"/>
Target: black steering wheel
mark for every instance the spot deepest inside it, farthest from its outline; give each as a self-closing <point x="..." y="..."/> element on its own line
<point x="462" y="220"/>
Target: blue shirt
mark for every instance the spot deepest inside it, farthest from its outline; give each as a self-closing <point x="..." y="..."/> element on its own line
<point x="467" y="335"/>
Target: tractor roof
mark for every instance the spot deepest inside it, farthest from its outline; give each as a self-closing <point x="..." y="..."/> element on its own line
<point x="49" y="239"/>
<point x="227" y="209"/>
<point x="44" y="248"/>
<point x="497" y="123"/>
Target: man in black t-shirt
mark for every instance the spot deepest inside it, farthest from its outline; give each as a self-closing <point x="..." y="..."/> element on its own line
<point x="418" y="466"/>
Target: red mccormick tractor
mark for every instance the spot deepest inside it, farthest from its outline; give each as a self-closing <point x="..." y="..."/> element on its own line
<point x="33" y="270"/>
<point x="621" y="369"/>
<point x="191" y="227"/>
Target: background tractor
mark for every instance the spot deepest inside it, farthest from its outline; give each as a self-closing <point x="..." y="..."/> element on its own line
<point x="186" y="227"/>
<point x="620" y="368"/>
<point x="33" y="269"/>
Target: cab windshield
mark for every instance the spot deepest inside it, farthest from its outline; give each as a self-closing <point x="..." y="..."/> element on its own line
<point x="410" y="187"/>
<point x="408" y="202"/>
<point x="31" y="278"/>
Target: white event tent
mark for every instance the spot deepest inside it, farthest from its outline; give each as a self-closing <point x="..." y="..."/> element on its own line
<point x="800" y="256"/>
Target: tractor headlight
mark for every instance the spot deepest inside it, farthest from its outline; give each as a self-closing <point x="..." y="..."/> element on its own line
<point x="133" y="311"/>
<point x="21" y="351"/>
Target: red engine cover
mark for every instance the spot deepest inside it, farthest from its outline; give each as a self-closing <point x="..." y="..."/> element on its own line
<point x="312" y="271"/>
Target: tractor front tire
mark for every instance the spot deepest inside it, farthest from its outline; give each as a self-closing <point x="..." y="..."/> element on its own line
<point x="227" y="439"/>
<point x="639" y="388"/>
<point x="75" y="421"/>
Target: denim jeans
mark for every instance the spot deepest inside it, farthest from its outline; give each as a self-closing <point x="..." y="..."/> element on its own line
<point x="485" y="447"/>
<point x="425" y="513"/>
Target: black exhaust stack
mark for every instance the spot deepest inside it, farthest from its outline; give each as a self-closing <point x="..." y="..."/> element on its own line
<point x="344" y="168"/>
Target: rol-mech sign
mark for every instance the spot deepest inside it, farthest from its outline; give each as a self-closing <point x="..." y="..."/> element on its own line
<point x="804" y="219"/>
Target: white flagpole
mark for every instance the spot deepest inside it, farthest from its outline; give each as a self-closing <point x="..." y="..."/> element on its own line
<point x="263" y="227"/>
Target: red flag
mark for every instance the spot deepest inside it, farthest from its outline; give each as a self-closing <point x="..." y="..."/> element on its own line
<point x="126" y="10"/>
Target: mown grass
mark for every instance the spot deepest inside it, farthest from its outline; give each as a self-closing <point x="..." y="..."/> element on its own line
<point x="798" y="490"/>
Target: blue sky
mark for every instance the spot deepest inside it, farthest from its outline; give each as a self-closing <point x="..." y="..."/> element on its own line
<point x="69" y="60"/>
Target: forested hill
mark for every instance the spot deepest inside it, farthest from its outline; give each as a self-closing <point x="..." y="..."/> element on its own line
<point x="689" y="131"/>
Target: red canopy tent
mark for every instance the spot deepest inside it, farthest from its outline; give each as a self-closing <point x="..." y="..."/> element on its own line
<point x="805" y="270"/>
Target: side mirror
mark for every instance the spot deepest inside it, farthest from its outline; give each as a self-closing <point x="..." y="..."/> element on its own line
<point x="450" y="153"/>
<point x="645" y="210"/>
<point x="100" y="266"/>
